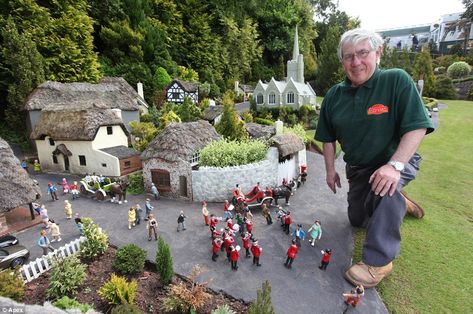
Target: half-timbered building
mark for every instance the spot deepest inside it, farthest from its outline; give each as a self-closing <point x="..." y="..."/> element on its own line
<point x="177" y="90"/>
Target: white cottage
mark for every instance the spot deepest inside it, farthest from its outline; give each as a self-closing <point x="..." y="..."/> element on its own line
<point x="291" y="92"/>
<point x="84" y="141"/>
<point x="177" y="90"/>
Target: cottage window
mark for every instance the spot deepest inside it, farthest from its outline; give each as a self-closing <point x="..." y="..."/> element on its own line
<point x="51" y="142"/>
<point x="104" y="165"/>
<point x="127" y="164"/>
<point x="194" y="160"/>
<point x="259" y="99"/>
<point x="161" y="178"/>
<point x="175" y="95"/>
<point x="55" y="159"/>
<point x="82" y="161"/>
<point x="272" y="99"/>
<point x="290" y="98"/>
<point x="109" y="130"/>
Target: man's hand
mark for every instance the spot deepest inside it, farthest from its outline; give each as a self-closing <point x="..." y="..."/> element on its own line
<point x="385" y="180"/>
<point x="333" y="180"/>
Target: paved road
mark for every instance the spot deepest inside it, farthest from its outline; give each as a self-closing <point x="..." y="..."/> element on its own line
<point x="303" y="289"/>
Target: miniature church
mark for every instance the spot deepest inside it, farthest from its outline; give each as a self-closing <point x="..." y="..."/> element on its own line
<point x="291" y="92"/>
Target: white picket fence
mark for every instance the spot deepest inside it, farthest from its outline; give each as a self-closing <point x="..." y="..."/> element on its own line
<point x="35" y="268"/>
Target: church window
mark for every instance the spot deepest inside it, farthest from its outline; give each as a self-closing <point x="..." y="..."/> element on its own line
<point x="272" y="99"/>
<point x="290" y="98"/>
<point x="259" y="99"/>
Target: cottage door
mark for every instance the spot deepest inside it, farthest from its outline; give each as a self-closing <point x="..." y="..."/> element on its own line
<point x="183" y="186"/>
<point x="66" y="163"/>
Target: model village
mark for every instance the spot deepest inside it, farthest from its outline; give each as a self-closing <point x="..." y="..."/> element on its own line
<point x="270" y="220"/>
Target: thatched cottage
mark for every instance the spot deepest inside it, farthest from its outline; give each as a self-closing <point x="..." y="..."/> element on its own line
<point x="177" y="90"/>
<point x="169" y="159"/>
<point x="84" y="140"/>
<point x="110" y="93"/>
<point x="213" y="114"/>
<point x="16" y="186"/>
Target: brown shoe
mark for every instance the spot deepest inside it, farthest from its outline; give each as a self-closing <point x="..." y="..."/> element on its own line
<point x="413" y="208"/>
<point x="368" y="276"/>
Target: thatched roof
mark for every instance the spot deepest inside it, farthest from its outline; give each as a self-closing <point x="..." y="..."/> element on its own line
<point x="287" y="144"/>
<point x="212" y="112"/>
<point x="16" y="187"/>
<point x="179" y="141"/>
<point x="121" y="152"/>
<point x="111" y="92"/>
<point x="256" y="130"/>
<point x="186" y="86"/>
<point x="74" y="125"/>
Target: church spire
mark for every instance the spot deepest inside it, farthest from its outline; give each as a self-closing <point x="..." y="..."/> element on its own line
<point x="295" y="51"/>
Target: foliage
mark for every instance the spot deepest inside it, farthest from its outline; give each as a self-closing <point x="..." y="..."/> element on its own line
<point x="223" y="309"/>
<point x="231" y="126"/>
<point x="11" y="285"/>
<point x="458" y="69"/>
<point x="444" y="88"/>
<point x="168" y="118"/>
<point x="423" y="67"/>
<point x="144" y="133"/>
<point x="126" y="309"/>
<point x="119" y="291"/>
<point x="188" y="111"/>
<point x="164" y="264"/>
<point x="469" y="96"/>
<point x="187" y="297"/>
<point x="66" y="303"/>
<point x="297" y="130"/>
<point x="96" y="242"/>
<point x="136" y="184"/>
<point x="263" y="302"/>
<point x="456" y="49"/>
<point x="161" y="78"/>
<point x="66" y="276"/>
<point x="263" y="121"/>
<point x="445" y="61"/>
<point x="225" y="153"/>
<point x="247" y="117"/>
<point x="129" y="259"/>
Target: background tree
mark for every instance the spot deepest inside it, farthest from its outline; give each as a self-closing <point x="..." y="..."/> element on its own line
<point x="263" y="302"/>
<point x="188" y="111"/>
<point x="231" y="126"/>
<point x="423" y="66"/>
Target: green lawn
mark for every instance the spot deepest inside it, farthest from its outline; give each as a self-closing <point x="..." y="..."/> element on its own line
<point x="434" y="273"/>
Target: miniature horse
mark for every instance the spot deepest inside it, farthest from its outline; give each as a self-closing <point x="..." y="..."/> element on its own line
<point x="120" y="189"/>
<point x="283" y="191"/>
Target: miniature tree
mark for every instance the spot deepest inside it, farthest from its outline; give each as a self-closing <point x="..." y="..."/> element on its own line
<point x="423" y="67"/>
<point x="164" y="264"/>
<point x="97" y="240"/>
<point x="231" y="126"/>
<point x="263" y="304"/>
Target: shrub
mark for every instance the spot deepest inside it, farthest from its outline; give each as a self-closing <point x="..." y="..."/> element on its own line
<point x="118" y="290"/>
<point x="444" y="88"/>
<point x="136" y="184"/>
<point x="458" y="69"/>
<point x="263" y="121"/>
<point x="469" y="96"/>
<point x="66" y="303"/>
<point x="97" y="240"/>
<point x="164" y="262"/>
<point x="66" y="276"/>
<point x="126" y="309"/>
<point x="263" y="302"/>
<point x="227" y="153"/>
<point x="11" y="285"/>
<point x="248" y="117"/>
<point x="187" y="297"/>
<point x="297" y="130"/>
<point x="129" y="259"/>
<point x="223" y="309"/>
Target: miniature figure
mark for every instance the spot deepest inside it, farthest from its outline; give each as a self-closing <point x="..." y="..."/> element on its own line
<point x="246" y="243"/>
<point x="234" y="255"/>
<point x="152" y="227"/>
<point x="205" y="213"/>
<point x="325" y="258"/>
<point x="181" y="221"/>
<point x="315" y="232"/>
<point x="248" y="224"/>
<point x="291" y="254"/>
<point x="52" y="191"/>
<point x="74" y="190"/>
<point x="43" y="214"/>
<point x="298" y="234"/>
<point x="154" y="191"/>
<point x="131" y="217"/>
<point x="216" y="245"/>
<point x="287" y="222"/>
<point x="266" y="214"/>
<point x="354" y="296"/>
<point x="65" y="186"/>
<point x="54" y="230"/>
<point x="138" y="211"/>
<point x="24" y="165"/>
<point x="148" y="208"/>
<point x="37" y="208"/>
<point x="44" y="242"/>
<point x="79" y="224"/>
<point x="227" y="210"/>
<point x="256" y="250"/>
<point x="68" y="208"/>
<point x="36" y="166"/>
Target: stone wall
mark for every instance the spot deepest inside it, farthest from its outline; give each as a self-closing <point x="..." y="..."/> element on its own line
<point x="214" y="184"/>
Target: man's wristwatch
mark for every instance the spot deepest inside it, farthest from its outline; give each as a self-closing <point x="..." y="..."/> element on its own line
<point x="399" y="166"/>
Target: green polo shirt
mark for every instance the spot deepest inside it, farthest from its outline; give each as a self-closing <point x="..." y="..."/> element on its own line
<point x="369" y="121"/>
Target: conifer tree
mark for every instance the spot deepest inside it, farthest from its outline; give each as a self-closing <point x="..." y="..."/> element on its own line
<point x="164" y="264"/>
<point x="263" y="304"/>
<point x="423" y="66"/>
<point x="231" y="126"/>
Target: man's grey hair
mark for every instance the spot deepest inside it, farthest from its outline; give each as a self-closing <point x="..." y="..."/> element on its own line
<point x="357" y="35"/>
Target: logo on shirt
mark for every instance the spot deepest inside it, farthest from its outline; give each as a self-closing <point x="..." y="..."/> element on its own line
<point x="377" y="109"/>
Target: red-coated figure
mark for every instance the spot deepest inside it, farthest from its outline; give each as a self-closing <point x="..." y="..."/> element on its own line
<point x="325" y="258"/>
<point x="246" y="243"/>
<point x="287" y="222"/>
<point x="254" y="190"/>
<point x="354" y="296"/>
<point x="217" y="243"/>
<point x="291" y="254"/>
<point x="234" y="255"/>
<point x="249" y="225"/>
<point x="256" y="250"/>
<point x="228" y="241"/>
<point x="230" y="223"/>
<point x="268" y="192"/>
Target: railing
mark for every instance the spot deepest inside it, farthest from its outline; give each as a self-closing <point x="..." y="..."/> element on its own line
<point x="35" y="268"/>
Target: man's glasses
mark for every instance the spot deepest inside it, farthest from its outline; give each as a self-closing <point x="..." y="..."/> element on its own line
<point x="360" y="54"/>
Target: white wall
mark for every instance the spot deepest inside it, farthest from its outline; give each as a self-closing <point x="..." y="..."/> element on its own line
<point x="104" y="140"/>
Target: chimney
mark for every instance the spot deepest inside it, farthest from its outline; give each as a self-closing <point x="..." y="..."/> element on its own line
<point x="118" y="112"/>
<point x="139" y="87"/>
<point x="236" y="86"/>
<point x="279" y="127"/>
